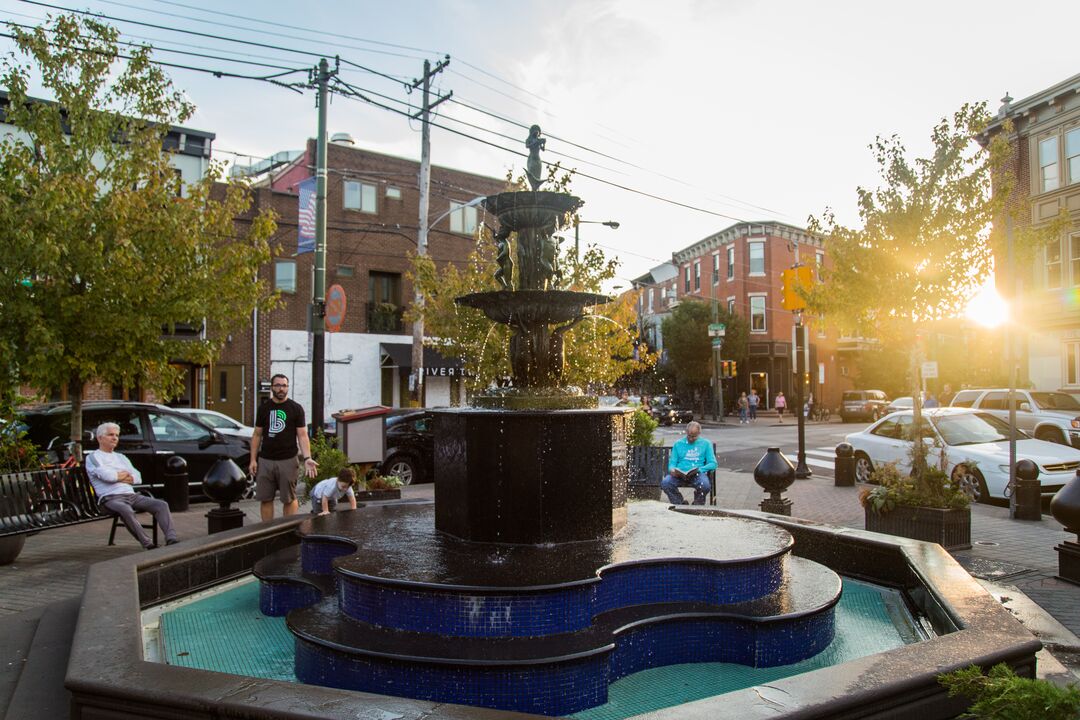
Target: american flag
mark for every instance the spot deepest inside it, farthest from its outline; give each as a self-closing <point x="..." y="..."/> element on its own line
<point x="306" y="217"/>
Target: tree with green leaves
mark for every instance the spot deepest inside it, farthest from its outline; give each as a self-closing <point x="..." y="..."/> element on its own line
<point x="599" y="350"/>
<point x="689" y="347"/>
<point x="924" y="247"/>
<point x="102" y="252"/>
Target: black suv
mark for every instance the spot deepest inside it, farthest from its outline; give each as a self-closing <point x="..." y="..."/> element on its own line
<point x="149" y="435"/>
<point x="410" y="446"/>
<point x="666" y="411"/>
<point x="863" y="405"/>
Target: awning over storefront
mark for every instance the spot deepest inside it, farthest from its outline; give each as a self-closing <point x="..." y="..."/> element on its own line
<point x="435" y="363"/>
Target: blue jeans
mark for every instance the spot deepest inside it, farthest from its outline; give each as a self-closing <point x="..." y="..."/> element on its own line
<point x="742" y="414"/>
<point x="671" y="484"/>
<point x="753" y="411"/>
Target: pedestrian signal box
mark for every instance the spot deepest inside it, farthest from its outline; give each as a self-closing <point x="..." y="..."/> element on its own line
<point x="800" y="276"/>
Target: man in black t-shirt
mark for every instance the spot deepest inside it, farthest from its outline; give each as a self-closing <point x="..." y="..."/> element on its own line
<point x="279" y="429"/>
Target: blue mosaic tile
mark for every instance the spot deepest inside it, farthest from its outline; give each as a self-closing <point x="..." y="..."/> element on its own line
<point x="674" y="581"/>
<point x="317" y="555"/>
<point x="551" y="689"/>
<point x="460" y="614"/>
<point x="278" y="599"/>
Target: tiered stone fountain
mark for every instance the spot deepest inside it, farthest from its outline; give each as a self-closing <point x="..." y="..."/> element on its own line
<point x="531" y="591"/>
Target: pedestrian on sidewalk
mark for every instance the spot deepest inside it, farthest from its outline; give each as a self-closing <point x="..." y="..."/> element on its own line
<point x="744" y="407"/>
<point x="754" y="400"/>
<point x="279" y="429"/>
<point x="780" y="403"/>
<point x="112" y="475"/>
<point x="691" y="460"/>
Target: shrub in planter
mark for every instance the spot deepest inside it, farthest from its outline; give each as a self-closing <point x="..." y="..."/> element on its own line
<point x="643" y="426"/>
<point x="924" y="507"/>
<point x="1001" y="695"/>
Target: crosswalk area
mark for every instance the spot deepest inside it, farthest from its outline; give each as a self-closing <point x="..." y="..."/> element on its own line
<point x="822" y="457"/>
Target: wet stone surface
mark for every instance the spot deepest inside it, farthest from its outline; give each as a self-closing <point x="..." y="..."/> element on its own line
<point x="399" y="543"/>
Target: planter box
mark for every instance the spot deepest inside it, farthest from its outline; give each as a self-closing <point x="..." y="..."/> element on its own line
<point x="372" y="495"/>
<point x="949" y="528"/>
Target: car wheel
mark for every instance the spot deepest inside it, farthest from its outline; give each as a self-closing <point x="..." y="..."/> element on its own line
<point x="863" y="467"/>
<point x="404" y="467"/>
<point x="971" y="482"/>
<point x="1053" y="436"/>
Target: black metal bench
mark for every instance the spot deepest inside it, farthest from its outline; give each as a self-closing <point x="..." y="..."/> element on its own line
<point x="648" y="465"/>
<point x="31" y="502"/>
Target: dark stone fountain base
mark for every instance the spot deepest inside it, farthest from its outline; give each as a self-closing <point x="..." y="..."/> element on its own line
<point x="531" y="476"/>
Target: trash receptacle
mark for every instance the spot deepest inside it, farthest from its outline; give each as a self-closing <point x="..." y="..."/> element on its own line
<point x="844" y="468"/>
<point x="176" y="484"/>
<point x="1028" y="491"/>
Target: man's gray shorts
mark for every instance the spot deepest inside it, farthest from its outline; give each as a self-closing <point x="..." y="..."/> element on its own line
<point x="277" y="477"/>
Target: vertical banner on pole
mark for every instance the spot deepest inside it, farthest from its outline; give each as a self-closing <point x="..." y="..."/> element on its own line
<point x="305" y="233"/>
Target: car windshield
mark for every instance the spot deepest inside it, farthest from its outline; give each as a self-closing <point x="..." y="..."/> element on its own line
<point x="1055" y="401"/>
<point x="970" y="428"/>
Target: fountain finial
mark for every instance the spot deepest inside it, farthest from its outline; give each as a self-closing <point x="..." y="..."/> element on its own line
<point x="534" y="169"/>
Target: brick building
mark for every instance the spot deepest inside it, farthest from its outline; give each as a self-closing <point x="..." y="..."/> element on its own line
<point x="1045" y="162"/>
<point x="739" y="267"/>
<point x="372" y="213"/>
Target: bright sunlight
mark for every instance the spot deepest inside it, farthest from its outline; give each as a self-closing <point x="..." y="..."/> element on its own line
<point x="986" y="307"/>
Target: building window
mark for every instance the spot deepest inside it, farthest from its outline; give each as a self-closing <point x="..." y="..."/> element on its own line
<point x="652" y="297"/>
<point x="1072" y="363"/>
<point x="686" y="279"/>
<point x="384" y="302"/>
<point x="285" y="276"/>
<point x="345" y="271"/>
<point x="1048" y="164"/>
<point x="716" y="269"/>
<point x="1074" y="258"/>
<point x="731" y="262"/>
<point x="393" y="193"/>
<point x="757" y="313"/>
<point x="1072" y="154"/>
<point x="757" y="258"/>
<point x="731" y="306"/>
<point x="360" y="196"/>
<point x="697" y="275"/>
<point x="462" y="218"/>
<point x="819" y="258"/>
<point x="1053" y="264"/>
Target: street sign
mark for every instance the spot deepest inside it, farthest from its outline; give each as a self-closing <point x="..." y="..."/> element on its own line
<point x="717" y="330"/>
<point x="717" y="342"/>
<point x="335" y="308"/>
<point x="929" y="369"/>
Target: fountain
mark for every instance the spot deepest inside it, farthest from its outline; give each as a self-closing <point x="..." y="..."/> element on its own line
<point x="529" y="584"/>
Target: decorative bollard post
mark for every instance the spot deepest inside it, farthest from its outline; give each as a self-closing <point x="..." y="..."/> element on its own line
<point x="224" y="484"/>
<point x="844" y="469"/>
<point x="176" y="484"/>
<point x="1065" y="508"/>
<point x="1028" y="492"/>
<point x="775" y="473"/>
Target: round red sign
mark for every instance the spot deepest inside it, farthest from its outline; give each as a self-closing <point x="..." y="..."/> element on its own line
<point x="335" y="308"/>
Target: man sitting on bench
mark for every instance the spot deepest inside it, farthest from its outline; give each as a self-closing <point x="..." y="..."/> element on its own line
<point x="112" y="475"/>
<point x="691" y="460"/>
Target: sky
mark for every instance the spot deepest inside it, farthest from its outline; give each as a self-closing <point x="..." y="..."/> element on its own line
<point x="725" y="111"/>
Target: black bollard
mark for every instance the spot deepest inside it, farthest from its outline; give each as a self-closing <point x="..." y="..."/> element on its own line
<point x="1065" y="508"/>
<point x="224" y="483"/>
<point x="844" y="469"/>
<point x="176" y="484"/>
<point x="775" y="473"/>
<point x="1028" y="492"/>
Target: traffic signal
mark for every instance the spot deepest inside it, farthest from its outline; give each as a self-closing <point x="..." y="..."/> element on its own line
<point x="734" y="369"/>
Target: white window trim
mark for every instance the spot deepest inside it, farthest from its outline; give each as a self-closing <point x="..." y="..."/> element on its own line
<point x="1073" y="277"/>
<point x="1075" y="346"/>
<point x="749" y="257"/>
<point x="1059" y="140"/>
<point x="764" y="312"/>
<point x="716" y="268"/>
<point x="731" y="304"/>
<point x="361" y="209"/>
<point x="697" y="275"/>
<point x="1069" y="179"/>
<point x="731" y="262"/>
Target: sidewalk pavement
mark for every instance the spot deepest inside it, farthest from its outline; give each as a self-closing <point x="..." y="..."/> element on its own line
<point x="1015" y="558"/>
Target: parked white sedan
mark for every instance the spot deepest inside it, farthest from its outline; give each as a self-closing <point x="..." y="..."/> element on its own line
<point x="975" y="446"/>
<point x="219" y="421"/>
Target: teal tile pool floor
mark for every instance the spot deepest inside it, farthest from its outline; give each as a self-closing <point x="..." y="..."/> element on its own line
<point x="225" y="632"/>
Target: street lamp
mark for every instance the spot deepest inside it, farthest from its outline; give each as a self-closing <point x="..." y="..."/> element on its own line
<point x="418" y="299"/>
<point x="577" y="222"/>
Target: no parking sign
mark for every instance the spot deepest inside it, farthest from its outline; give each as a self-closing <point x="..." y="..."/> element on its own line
<point x="335" y="308"/>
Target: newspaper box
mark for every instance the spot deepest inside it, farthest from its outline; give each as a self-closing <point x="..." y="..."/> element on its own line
<point x="362" y="433"/>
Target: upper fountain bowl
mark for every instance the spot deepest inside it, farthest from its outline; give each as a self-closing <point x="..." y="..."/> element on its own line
<point x="531" y="209"/>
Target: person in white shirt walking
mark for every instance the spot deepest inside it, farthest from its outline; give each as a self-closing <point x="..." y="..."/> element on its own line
<point x="112" y="475"/>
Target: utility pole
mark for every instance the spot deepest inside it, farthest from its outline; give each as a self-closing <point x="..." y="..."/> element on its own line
<point x="799" y="358"/>
<point x="416" y="378"/>
<point x="318" y="289"/>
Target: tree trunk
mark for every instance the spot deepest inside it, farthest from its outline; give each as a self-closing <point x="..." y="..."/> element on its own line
<point x="75" y="393"/>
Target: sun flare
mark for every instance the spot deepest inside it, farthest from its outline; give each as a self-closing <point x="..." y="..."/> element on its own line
<point x="986" y="307"/>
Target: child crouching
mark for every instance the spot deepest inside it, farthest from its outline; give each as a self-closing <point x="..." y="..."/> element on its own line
<point x="325" y="495"/>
